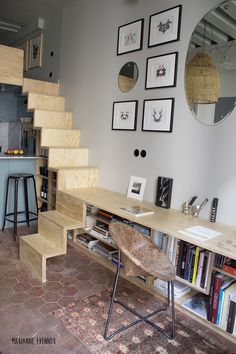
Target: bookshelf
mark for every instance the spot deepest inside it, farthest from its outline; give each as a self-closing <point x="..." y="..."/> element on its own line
<point x="169" y="222"/>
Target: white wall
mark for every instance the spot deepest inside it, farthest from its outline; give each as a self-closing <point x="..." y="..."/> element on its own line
<point x="201" y="159"/>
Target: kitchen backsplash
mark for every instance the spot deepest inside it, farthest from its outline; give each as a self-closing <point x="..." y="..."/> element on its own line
<point x="9" y="135"/>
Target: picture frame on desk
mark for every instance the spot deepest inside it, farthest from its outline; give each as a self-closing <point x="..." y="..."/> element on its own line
<point x="136" y="187"/>
<point x="164" y="191"/>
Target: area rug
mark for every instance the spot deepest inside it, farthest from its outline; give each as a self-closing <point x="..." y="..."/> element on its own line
<point x="86" y="318"/>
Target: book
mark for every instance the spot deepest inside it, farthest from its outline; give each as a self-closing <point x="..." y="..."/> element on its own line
<point x="228" y="293"/>
<point x="231" y="315"/>
<point x="197" y="304"/>
<point x="199" y="269"/>
<point x="86" y="239"/>
<point x="211" y="294"/>
<point x="230" y="267"/>
<point x="137" y="210"/>
<point x="180" y="289"/>
<point x="227" y="281"/>
<point x="217" y="284"/>
<point x="195" y="266"/>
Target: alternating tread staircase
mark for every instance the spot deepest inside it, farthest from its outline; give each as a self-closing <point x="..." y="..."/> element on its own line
<point x="70" y="162"/>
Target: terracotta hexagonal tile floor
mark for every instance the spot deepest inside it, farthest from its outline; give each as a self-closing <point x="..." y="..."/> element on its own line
<point x="26" y="303"/>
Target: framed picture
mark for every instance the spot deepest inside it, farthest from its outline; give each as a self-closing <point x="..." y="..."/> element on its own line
<point x="130" y="37"/>
<point x="124" y="115"/>
<point x="164" y="27"/>
<point x="164" y="190"/>
<point x="161" y="71"/>
<point x="158" y="115"/>
<point x="36" y="51"/>
<point x="25" y="47"/>
<point x="136" y="187"/>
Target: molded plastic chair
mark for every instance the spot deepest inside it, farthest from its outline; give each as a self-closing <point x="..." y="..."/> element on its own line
<point x="140" y="257"/>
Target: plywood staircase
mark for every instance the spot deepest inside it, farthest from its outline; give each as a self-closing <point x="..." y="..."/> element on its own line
<point x="69" y="161"/>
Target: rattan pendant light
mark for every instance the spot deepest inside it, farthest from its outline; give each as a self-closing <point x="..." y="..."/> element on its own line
<point x="202" y="80"/>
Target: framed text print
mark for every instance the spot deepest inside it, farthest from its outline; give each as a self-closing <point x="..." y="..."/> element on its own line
<point x="130" y="37"/>
<point x="158" y="115"/>
<point x="164" y="27"/>
<point x="124" y="115"/>
<point x="161" y="71"/>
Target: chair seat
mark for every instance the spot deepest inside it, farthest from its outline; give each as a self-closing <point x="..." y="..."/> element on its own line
<point x="21" y="175"/>
<point x="140" y="255"/>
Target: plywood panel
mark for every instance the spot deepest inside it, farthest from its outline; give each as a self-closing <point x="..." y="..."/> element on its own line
<point x="62" y="157"/>
<point x="50" y="119"/>
<point x="46" y="102"/>
<point x="62" y="220"/>
<point x="11" y="65"/>
<point x="32" y="259"/>
<point x="82" y="177"/>
<point x="41" y="87"/>
<point x="60" y="137"/>
<point x="71" y="207"/>
<point x="53" y="233"/>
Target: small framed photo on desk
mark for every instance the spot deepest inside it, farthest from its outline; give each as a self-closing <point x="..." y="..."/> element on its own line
<point x="136" y="187"/>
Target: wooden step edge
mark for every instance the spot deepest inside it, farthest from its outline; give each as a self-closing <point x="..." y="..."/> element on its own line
<point x="61" y="129"/>
<point x="40" y="85"/>
<point x="48" y="96"/>
<point x="42" y="246"/>
<point x="64" y="168"/>
<point x="62" y="220"/>
<point x="67" y="147"/>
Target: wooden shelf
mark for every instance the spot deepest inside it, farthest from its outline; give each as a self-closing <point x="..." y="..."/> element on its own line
<point x="223" y="272"/>
<point x="42" y="176"/>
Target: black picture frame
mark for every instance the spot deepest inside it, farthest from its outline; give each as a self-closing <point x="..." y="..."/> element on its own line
<point x="164" y="192"/>
<point x="124" y="115"/>
<point x="161" y="71"/>
<point x="158" y="115"/>
<point x="130" y="37"/>
<point x="164" y="26"/>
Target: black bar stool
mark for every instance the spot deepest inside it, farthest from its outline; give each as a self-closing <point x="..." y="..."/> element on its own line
<point x="13" y="217"/>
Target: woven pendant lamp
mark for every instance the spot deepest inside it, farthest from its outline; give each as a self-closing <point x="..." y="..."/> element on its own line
<point x="202" y="80"/>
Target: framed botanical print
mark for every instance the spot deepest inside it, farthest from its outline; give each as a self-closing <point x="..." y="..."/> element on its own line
<point x="164" y="191"/>
<point x="164" y="27"/>
<point x="158" y="115"/>
<point x="124" y="115"/>
<point x="161" y="71"/>
<point x="130" y="37"/>
<point x="36" y="51"/>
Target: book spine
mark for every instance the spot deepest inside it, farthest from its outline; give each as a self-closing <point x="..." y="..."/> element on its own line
<point x="199" y="269"/>
<point x="211" y="294"/>
<point x="215" y="298"/>
<point x="195" y="266"/>
<point x="192" y="265"/>
<point x="219" y="307"/>
<point x="229" y="269"/>
<point x="204" y="269"/>
<point x="180" y="256"/>
<point x="187" y="263"/>
<point x="231" y="317"/>
<point x="183" y="262"/>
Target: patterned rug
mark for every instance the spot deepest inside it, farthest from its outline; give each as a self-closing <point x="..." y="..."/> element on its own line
<point x="86" y="318"/>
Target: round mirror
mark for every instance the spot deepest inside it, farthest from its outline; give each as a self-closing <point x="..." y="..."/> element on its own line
<point x="128" y="76"/>
<point x="210" y="68"/>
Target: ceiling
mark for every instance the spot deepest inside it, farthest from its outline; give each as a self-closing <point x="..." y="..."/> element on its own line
<point x="17" y="13"/>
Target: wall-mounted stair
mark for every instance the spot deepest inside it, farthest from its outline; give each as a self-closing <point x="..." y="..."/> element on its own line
<point x="69" y="162"/>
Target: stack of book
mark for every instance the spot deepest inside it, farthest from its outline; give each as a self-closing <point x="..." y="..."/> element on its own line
<point x="228" y="265"/>
<point x="86" y="240"/>
<point x="180" y="289"/>
<point x="222" y="302"/>
<point x="193" y="264"/>
<point x="104" y="250"/>
<point x="168" y="244"/>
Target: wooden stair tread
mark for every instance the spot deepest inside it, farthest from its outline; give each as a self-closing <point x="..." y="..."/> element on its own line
<point x="64" y="168"/>
<point x="41" y="87"/>
<point x="44" y="247"/>
<point x="62" y="220"/>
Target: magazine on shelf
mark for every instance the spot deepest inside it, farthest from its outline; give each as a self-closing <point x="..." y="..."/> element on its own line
<point x="137" y="210"/>
<point x="197" y="304"/>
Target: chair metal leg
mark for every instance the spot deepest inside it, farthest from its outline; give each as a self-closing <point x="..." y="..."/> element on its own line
<point x="6" y="200"/>
<point x="140" y="317"/>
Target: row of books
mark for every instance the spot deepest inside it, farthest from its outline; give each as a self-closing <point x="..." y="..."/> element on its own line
<point x="226" y="264"/>
<point x="193" y="264"/>
<point x="180" y="289"/>
<point x="222" y="302"/>
<point x="95" y="245"/>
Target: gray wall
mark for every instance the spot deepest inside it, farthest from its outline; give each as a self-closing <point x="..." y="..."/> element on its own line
<point x="201" y="159"/>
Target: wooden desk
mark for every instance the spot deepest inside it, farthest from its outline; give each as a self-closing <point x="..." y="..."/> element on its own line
<point x="168" y="221"/>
